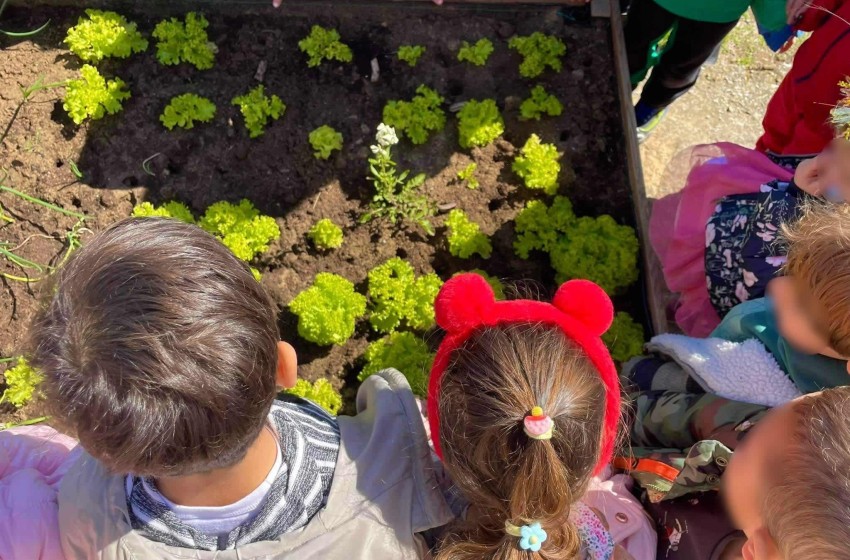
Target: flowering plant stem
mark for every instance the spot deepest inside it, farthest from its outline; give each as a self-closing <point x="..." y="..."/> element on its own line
<point x="396" y="195"/>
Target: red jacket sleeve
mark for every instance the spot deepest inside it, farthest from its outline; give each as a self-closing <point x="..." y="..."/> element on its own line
<point x="797" y="117"/>
<point x="819" y="12"/>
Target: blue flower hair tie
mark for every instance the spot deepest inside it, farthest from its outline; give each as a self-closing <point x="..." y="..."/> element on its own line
<point x="531" y="536"/>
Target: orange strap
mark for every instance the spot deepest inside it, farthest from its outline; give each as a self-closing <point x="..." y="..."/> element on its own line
<point x="632" y="464"/>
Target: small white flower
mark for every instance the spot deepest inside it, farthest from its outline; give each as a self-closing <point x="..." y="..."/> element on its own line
<point x="386" y="136"/>
<point x="376" y="149"/>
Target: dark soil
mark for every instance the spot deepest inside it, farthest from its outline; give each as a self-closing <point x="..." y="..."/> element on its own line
<point x="277" y="171"/>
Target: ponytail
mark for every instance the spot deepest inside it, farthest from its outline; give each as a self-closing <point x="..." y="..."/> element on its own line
<point x="511" y="479"/>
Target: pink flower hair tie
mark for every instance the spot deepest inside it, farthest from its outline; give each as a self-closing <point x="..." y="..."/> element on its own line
<point x="538" y="425"/>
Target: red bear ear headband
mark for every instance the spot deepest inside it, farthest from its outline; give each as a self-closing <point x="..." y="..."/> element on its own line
<point x="581" y="309"/>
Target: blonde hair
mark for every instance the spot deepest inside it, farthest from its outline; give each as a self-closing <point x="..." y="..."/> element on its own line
<point x="818" y="246"/>
<point x="807" y="511"/>
<point x="492" y="383"/>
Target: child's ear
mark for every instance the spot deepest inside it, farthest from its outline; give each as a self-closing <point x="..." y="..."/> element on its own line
<point x="761" y="546"/>
<point x="287" y="365"/>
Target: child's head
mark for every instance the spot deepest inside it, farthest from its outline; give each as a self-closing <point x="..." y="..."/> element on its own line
<point x="812" y="300"/>
<point x="160" y="350"/>
<point x="493" y="368"/>
<point x="788" y="484"/>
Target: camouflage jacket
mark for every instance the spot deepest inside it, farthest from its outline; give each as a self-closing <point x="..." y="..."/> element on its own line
<point x="682" y="442"/>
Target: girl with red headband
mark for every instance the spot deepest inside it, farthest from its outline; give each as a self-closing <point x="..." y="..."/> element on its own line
<point x="524" y="409"/>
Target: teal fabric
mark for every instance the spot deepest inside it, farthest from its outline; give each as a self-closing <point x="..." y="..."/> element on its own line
<point x="755" y="319"/>
<point x="770" y="14"/>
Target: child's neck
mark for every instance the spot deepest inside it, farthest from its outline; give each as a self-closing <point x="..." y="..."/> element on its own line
<point x="226" y="486"/>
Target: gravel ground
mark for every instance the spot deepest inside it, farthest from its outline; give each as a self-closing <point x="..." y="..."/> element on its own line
<point x="727" y="104"/>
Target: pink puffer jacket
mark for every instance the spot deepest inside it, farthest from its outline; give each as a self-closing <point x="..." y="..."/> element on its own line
<point x="33" y="461"/>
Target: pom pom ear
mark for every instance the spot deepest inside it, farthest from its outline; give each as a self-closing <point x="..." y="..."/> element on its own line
<point x="587" y="303"/>
<point x="463" y="302"/>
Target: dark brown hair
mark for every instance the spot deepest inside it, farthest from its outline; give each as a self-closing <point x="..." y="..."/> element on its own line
<point x="807" y="510"/>
<point x="159" y="349"/>
<point x="492" y="383"/>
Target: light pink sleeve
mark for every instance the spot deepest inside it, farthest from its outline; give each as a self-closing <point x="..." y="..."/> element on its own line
<point x="628" y="523"/>
<point x="33" y="461"/>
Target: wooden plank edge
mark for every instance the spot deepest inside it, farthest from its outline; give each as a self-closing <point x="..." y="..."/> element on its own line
<point x="656" y="289"/>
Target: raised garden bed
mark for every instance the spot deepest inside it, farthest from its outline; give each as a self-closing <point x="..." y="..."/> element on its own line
<point x="128" y="158"/>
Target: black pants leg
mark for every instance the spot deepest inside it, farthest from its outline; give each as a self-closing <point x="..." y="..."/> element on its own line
<point x="679" y="68"/>
<point x="647" y="22"/>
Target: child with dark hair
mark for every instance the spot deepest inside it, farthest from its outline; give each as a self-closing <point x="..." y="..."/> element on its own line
<point x="161" y="352"/>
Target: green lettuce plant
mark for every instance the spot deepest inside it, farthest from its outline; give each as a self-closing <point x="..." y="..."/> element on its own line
<point x="405" y="352"/>
<point x="396" y="194"/>
<point x="398" y="298"/>
<point x="625" y="338"/>
<point x="326" y="235"/>
<point x="540" y="103"/>
<point x="328" y="310"/>
<point x="479" y="123"/>
<point x="538" y="51"/>
<point x="22" y="382"/>
<point x="476" y="54"/>
<point x="324" y="141"/>
<point x="538" y="226"/>
<point x="240" y="227"/>
<point x="324" y="44"/>
<point x="596" y="249"/>
<point x="187" y="109"/>
<point x="103" y="35"/>
<point x="411" y="54"/>
<point x="257" y="108"/>
<point x="419" y="117"/>
<point x="467" y="174"/>
<point x="538" y="165"/>
<point x="172" y="209"/>
<point x="93" y="96"/>
<point x="187" y="41"/>
<point x="465" y="238"/>
<point x="321" y="392"/>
